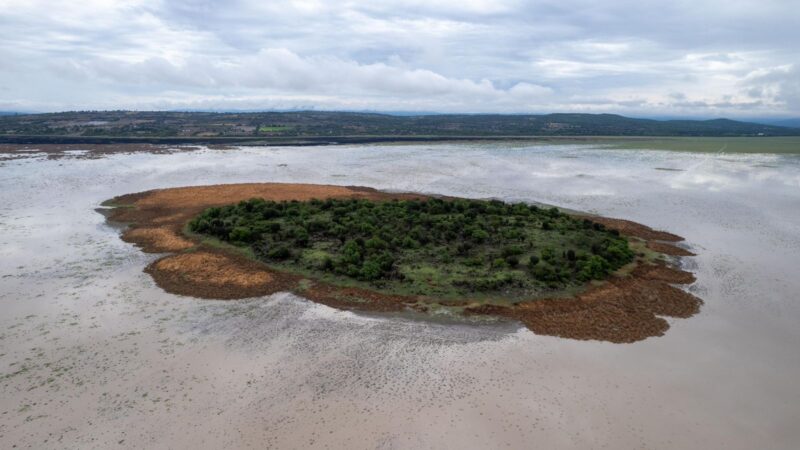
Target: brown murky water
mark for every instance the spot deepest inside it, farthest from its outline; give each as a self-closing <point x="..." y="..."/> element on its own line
<point x="93" y="355"/>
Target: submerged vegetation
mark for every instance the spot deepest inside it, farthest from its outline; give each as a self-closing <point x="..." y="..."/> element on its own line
<point x="423" y="247"/>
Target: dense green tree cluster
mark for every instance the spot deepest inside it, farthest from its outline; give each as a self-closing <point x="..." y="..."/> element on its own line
<point x="436" y="245"/>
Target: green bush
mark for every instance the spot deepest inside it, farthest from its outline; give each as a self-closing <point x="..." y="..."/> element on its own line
<point x="512" y="250"/>
<point x="370" y="270"/>
<point x="471" y="244"/>
<point x="279" y="253"/>
<point x="408" y="242"/>
<point x="595" y="267"/>
<point x="351" y="253"/>
<point x="499" y="263"/>
<point x="479" y="235"/>
<point x="241" y="234"/>
<point x="546" y="272"/>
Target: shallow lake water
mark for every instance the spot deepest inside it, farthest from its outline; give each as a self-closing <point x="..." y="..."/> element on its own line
<point x="94" y="355"/>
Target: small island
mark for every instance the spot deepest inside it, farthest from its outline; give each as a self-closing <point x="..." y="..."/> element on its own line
<point x="354" y="248"/>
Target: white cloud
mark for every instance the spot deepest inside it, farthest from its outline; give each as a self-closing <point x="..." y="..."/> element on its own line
<point x="699" y="57"/>
<point x="281" y="70"/>
<point x="779" y="84"/>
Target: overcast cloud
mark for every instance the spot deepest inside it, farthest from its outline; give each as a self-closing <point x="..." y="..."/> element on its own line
<point x="709" y="58"/>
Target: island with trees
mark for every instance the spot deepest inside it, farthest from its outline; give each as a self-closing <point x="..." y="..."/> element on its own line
<point x="352" y="248"/>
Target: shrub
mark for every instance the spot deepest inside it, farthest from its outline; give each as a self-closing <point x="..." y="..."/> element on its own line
<point x="301" y="237"/>
<point x="371" y="270"/>
<point x="408" y="242"/>
<point x="546" y="273"/>
<point x="376" y="243"/>
<point x="499" y="263"/>
<point x="351" y="253"/>
<point x="475" y="261"/>
<point x="618" y="252"/>
<point x="318" y="225"/>
<point x="548" y="254"/>
<point x="594" y="268"/>
<point x="241" y="234"/>
<point x="511" y="250"/>
<point x="279" y="253"/>
<point x="479" y="236"/>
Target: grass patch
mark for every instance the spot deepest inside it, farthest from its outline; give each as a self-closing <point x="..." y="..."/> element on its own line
<point x="274" y="128"/>
<point x="777" y="145"/>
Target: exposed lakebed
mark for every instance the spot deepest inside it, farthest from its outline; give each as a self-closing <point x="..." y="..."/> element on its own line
<point x="94" y="353"/>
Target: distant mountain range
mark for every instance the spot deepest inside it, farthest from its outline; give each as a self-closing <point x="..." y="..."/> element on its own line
<point x="191" y="126"/>
<point x="792" y="123"/>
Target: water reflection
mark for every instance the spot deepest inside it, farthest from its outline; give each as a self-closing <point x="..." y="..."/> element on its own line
<point x="94" y="353"/>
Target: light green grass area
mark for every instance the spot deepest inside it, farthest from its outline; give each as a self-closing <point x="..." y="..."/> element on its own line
<point x="777" y="145"/>
<point x="274" y="129"/>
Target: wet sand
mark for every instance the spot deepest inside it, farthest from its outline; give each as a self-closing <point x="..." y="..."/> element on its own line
<point x="93" y="354"/>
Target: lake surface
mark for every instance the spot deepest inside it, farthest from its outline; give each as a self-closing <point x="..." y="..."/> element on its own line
<point x="94" y="355"/>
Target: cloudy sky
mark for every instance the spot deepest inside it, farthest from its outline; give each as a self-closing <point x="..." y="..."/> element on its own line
<point x="699" y="58"/>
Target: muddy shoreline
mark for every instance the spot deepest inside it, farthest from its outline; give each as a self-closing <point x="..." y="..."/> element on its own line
<point x="623" y="309"/>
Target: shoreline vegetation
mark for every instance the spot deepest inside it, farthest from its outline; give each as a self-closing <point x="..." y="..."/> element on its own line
<point x="626" y="306"/>
<point x="340" y="127"/>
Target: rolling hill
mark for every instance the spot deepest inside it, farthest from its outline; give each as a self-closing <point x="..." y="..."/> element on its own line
<point x="191" y="126"/>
